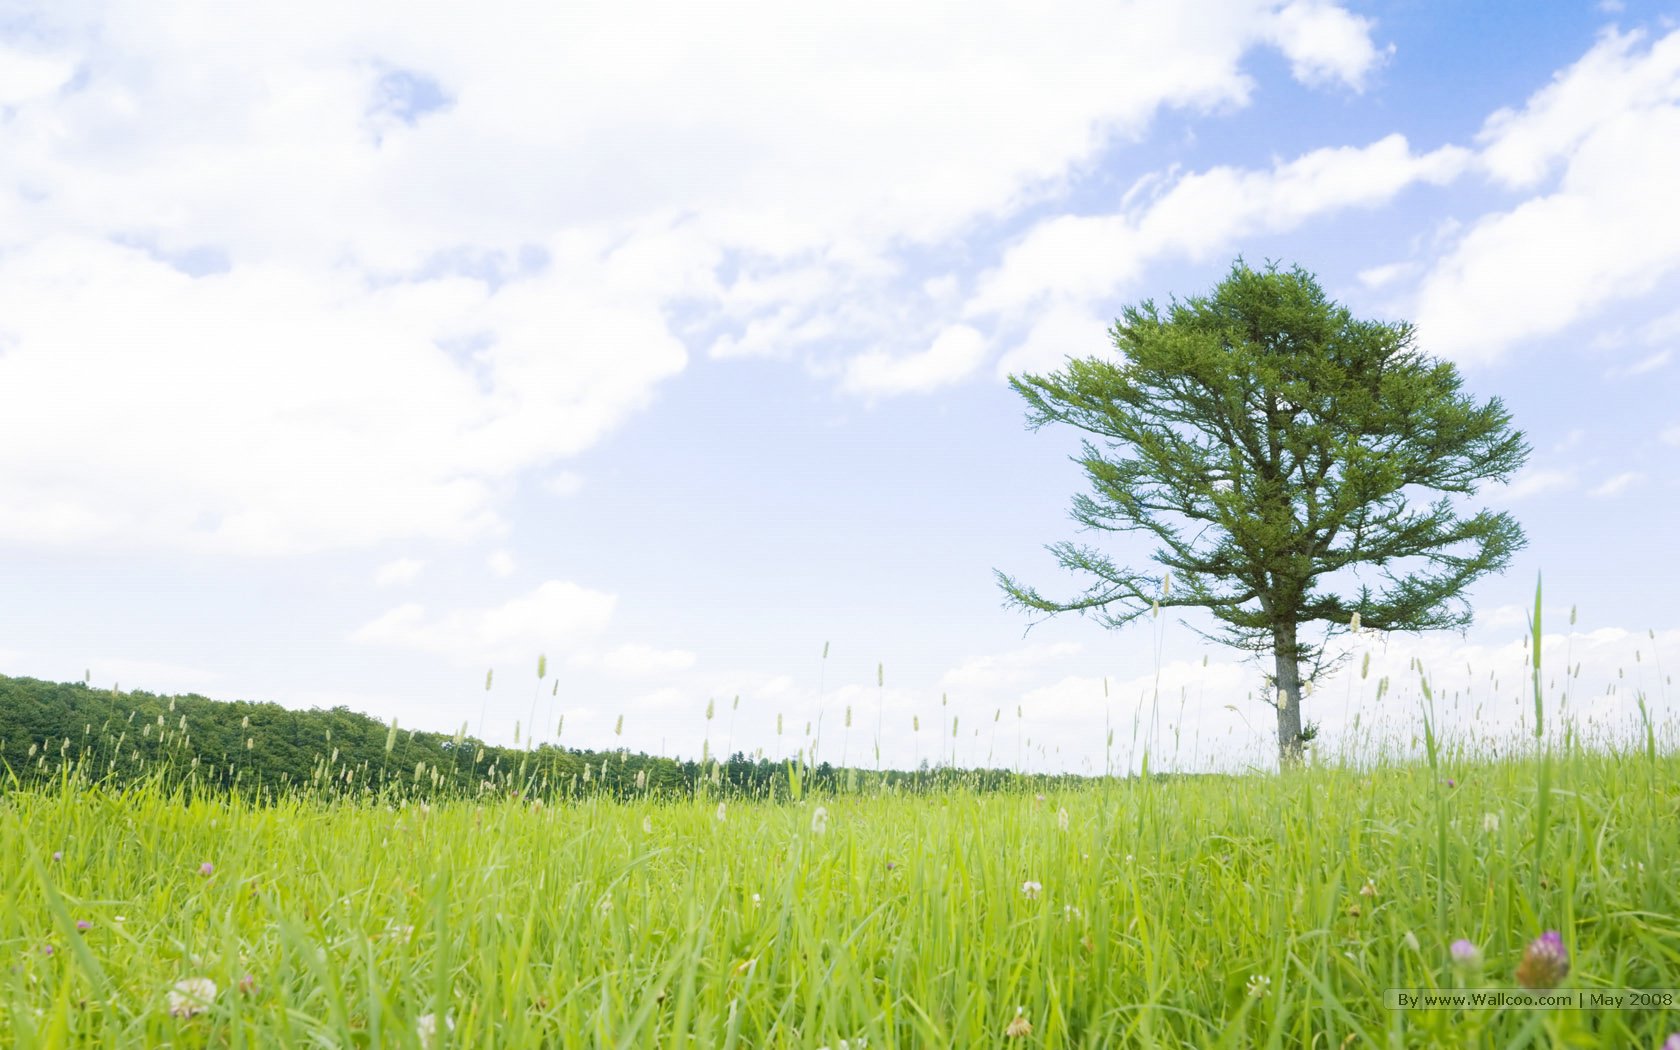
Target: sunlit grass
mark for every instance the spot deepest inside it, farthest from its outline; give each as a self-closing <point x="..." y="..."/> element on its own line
<point x="1245" y="911"/>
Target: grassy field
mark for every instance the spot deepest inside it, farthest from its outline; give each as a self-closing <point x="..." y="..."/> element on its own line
<point x="1233" y="912"/>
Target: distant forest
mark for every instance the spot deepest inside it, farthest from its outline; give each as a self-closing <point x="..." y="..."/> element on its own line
<point x="49" y="729"/>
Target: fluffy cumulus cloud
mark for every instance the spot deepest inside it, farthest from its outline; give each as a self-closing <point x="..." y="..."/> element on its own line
<point x="1325" y="43"/>
<point x="1534" y="481"/>
<point x="1601" y="143"/>
<point x="399" y="572"/>
<point x="1069" y="261"/>
<point x="288" y="280"/>
<point x="955" y="354"/>
<point x="635" y="660"/>
<point x="556" y="615"/>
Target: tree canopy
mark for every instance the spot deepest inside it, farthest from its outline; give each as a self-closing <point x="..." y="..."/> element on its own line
<point x="1295" y="464"/>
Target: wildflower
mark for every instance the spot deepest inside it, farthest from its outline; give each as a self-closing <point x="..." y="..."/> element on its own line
<point x="1031" y="889"/>
<point x="1450" y="782"/>
<point x="426" y="1028"/>
<point x="1062" y="819"/>
<point x="1490" y="823"/>
<point x="1020" y="1026"/>
<point x="1545" y="963"/>
<point x="58" y="855"/>
<point x="47" y="950"/>
<point x="757" y="901"/>
<point x="207" y="869"/>
<point x="191" y="996"/>
<point x="247" y="985"/>
<point x="1259" y="986"/>
<point x="1071" y="913"/>
<point x="1671" y="1043"/>
<point x="399" y="932"/>
<point x="1369" y="889"/>
<point x="819" y="820"/>
<point x="83" y="925"/>
<point x="647" y="825"/>
<point x="1465" y="954"/>
<point x="723" y="812"/>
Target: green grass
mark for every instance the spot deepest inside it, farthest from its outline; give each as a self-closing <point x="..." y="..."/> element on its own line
<point x="655" y="924"/>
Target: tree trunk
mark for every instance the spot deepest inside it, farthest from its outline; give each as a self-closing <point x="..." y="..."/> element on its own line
<point x="1289" y="696"/>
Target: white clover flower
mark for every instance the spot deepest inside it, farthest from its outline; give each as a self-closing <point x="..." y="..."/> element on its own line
<point x="1259" y="986"/>
<point x="1031" y="889"/>
<point x="1490" y="823"/>
<point x="191" y="996"/>
<point x="427" y="1028"/>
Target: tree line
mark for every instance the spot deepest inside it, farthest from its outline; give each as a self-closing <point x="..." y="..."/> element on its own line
<point x="116" y="738"/>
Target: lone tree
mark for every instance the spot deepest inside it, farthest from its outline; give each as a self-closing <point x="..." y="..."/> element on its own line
<point x="1275" y="445"/>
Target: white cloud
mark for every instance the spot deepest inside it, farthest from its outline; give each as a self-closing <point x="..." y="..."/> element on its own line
<point x="1534" y="481"/>
<point x="564" y="483"/>
<point x="1004" y="669"/>
<point x="1194" y="216"/>
<point x="1521" y="147"/>
<point x="1608" y="231"/>
<point x="501" y="563"/>
<point x="25" y="77"/>
<point x="1382" y="276"/>
<point x="558" y="615"/>
<point x="273" y="409"/>
<point x="401" y="571"/>
<point x="955" y="354"/>
<point x="339" y="276"/>
<point x="635" y="660"/>
<point x="1649" y="363"/>
<point x="1616" y="485"/>
<point x="1325" y="43"/>
<point x="1062" y="331"/>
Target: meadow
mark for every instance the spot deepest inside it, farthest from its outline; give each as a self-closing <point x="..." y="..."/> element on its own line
<point x="1247" y="911"/>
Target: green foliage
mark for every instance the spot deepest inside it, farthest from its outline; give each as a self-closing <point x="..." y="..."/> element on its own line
<point x="1294" y="463"/>
<point x="265" y="750"/>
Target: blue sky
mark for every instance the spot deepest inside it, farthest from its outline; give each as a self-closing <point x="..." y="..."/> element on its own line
<point x="345" y="355"/>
